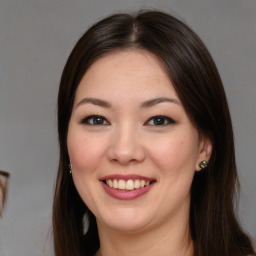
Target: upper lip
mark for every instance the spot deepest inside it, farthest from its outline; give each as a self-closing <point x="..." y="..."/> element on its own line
<point x="126" y="177"/>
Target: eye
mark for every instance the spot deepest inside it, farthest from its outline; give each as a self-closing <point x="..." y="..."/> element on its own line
<point x="94" y="120"/>
<point x="160" y="121"/>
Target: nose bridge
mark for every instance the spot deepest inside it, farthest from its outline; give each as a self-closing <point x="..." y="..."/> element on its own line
<point x="125" y="144"/>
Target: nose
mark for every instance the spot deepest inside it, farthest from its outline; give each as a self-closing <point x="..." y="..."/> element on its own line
<point x="126" y="147"/>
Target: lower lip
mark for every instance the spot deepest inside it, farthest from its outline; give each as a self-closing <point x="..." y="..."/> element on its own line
<point x="126" y="194"/>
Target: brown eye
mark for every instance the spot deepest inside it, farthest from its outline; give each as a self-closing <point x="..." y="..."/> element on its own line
<point x="95" y="120"/>
<point x="160" y="121"/>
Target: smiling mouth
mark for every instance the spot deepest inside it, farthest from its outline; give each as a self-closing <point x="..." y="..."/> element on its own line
<point x="129" y="184"/>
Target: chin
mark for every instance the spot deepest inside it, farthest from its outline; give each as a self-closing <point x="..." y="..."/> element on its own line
<point x="129" y="227"/>
<point x="126" y="220"/>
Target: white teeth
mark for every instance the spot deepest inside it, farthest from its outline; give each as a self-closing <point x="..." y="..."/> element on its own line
<point x="115" y="184"/>
<point x="127" y="185"/>
<point x="109" y="183"/>
<point x="121" y="184"/>
<point x="137" y="184"/>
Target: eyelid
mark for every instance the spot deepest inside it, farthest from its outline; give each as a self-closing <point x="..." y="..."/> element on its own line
<point x="85" y="120"/>
<point x="169" y="120"/>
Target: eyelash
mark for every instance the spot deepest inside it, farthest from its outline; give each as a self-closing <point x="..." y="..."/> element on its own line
<point x="167" y="120"/>
<point x="87" y="119"/>
<point x="162" y="120"/>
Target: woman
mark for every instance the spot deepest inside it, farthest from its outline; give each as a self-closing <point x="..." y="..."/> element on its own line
<point x="146" y="145"/>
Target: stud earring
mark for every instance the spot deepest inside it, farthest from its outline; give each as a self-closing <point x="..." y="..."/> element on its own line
<point x="203" y="164"/>
<point x="70" y="167"/>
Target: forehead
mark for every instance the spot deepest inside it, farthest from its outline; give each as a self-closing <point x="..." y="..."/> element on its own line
<point x="126" y="72"/>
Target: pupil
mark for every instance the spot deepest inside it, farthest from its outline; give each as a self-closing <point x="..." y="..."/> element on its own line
<point x="98" y="120"/>
<point x="158" y="121"/>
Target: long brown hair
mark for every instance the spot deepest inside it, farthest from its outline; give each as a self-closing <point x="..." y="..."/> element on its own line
<point x="213" y="224"/>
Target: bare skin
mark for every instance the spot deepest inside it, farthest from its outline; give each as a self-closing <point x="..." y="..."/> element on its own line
<point x="164" y="241"/>
<point x="128" y="120"/>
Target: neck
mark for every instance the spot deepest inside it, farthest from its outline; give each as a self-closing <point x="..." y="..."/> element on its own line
<point x="164" y="240"/>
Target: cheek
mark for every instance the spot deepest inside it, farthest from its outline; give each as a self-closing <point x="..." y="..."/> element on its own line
<point x="85" y="152"/>
<point x="175" y="153"/>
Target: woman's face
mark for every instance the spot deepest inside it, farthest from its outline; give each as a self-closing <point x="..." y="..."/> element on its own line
<point x="133" y="149"/>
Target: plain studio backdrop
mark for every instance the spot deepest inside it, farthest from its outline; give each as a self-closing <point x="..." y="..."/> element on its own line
<point x="36" y="37"/>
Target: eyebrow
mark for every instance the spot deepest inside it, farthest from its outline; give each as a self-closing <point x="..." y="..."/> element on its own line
<point x="146" y="104"/>
<point x="94" y="101"/>
<point x="152" y="102"/>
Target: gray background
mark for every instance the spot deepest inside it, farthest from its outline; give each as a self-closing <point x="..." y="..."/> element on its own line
<point x="36" y="39"/>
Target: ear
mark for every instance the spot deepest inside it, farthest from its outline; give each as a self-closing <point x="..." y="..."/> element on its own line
<point x="204" y="152"/>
